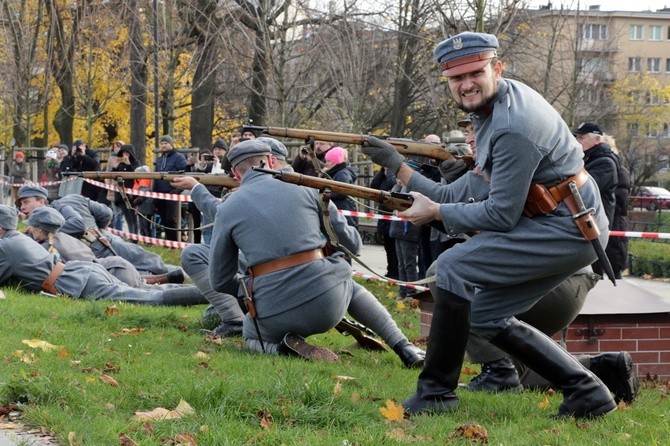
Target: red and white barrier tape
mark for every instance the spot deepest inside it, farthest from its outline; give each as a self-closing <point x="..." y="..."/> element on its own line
<point x="630" y="234"/>
<point x="141" y="193"/>
<point x="149" y="240"/>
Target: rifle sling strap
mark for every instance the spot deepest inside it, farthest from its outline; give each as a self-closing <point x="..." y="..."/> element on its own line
<point x="328" y="226"/>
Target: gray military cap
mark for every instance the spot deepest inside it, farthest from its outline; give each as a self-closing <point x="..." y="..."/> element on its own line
<point x="465" y="52"/>
<point x="47" y="219"/>
<point x="247" y="149"/>
<point x="9" y="217"/>
<point x="31" y="190"/>
<point x="279" y="150"/>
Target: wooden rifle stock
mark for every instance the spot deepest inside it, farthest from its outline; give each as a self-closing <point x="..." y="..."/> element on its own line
<point x="207" y="179"/>
<point x="403" y="146"/>
<point x="399" y="202"/>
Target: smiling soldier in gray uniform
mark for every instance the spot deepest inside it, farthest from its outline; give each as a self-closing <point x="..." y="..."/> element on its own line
<point x="297" y="290"/>
<point x="522" y="250"/>
<point x="24" y="262"/>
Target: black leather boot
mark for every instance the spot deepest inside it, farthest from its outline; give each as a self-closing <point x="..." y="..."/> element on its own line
<point x="584" y="395"/>
<point x="496" y="376"/>
<point x="617" y="371"/>
<point x="410" y="355"/>
<point x="444" y="357"/>
<point x="176" y="276"/>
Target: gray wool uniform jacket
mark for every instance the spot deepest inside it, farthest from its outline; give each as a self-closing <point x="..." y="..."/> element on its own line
<point x="513" y="260"/>
<point x="267" y="219"/>
<point x="24" y="261"/>
<point x="81" y="213"/>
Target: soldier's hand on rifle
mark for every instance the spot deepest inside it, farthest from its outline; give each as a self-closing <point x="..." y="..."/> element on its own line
<point x="452" y="169"/>
<point x="185" y="182"/>
<point x="384" y="154"/>
<point x="423" y="210"/>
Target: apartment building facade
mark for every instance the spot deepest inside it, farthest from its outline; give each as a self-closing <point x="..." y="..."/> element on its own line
<point x="609" y="67"/>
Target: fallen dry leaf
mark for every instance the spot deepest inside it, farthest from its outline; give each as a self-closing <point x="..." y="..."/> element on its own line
<point x="8" y="426"/>
<point x="392" y="411"/>
<point x="202" y="355"/>
<point x="265" y="418"/>
<point x="184" y="439"/>
<point x="544" y="404"/>
<point x="125" y="440"/>
<point x="337" y="390"/>
<point x="71" y="437"/>
<point x="132" y="330"/>
<point x="38" y="343"/>
<point x="160" y="413"/>
<point x="27" y="358"/>
<point x="471" y="431"/>
<point x="111" y="310"/>
<point x="2" y="294"/>
<point x="109" y="380"/>
<point x="62" y="354"/>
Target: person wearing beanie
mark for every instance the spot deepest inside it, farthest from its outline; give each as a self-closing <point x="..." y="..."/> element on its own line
<point x="82" y="159"/>
<point x="168" y="160"/>
<point x="24" y="261"/>
<point x="521" y="251"/>
<point x="126" y="162"/>
<point x="337" y="166"/>
<point x="19" y="172"/>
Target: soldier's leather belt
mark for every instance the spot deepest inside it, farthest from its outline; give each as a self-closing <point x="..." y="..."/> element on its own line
<point x="286" y="262"/>
<point x="542" y="200"/>
<point x="49" y="284"/>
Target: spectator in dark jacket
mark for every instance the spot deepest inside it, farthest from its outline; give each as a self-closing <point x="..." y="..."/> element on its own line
<point x="406" y="236"/>
<point x="384" y="180"/>
<point x="126" y="163"/>
<point x="169" y="160"/>
<point x="339" y="169"/>
<point x="82" y="159"/>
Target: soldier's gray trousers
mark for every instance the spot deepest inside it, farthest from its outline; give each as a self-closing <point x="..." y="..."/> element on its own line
<point x="195" y="261"/>
<point x="102" y="285"/>
<point x="143" y="260"/>
<point x="505" y="273"/>
<point x="322" y="314"/>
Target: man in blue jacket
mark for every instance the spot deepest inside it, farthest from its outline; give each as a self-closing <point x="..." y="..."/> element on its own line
<point x="169" y="160"/>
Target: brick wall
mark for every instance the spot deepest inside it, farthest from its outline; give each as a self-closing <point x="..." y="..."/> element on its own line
<point x="645" y="336"/>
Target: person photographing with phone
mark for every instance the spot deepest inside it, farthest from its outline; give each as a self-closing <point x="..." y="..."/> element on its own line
<point x="82" y="159"/>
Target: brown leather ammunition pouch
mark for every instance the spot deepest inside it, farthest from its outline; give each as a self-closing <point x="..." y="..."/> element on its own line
<point x="542" y="200"/>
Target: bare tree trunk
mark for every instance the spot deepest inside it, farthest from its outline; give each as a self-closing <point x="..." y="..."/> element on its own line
<point x="138" y="83"/>
<point x="61" y="58"/>
<point x="257" y="105"/>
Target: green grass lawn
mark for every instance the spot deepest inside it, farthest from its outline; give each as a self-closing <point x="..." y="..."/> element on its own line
<point x="110" y="361"/>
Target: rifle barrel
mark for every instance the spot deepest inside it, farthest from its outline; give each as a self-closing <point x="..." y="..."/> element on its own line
<point x="204" y="178"/>
<point x="380" y="196"/>
<point x="403" y="146"/>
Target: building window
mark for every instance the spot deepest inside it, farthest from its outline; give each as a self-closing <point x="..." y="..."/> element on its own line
<point x="667" y="65"/>
<point x="651" y="131"/>
<point x="634" y="64"/>
<point x="654" y="65"/>
<point x="666" y="130"/>
<point x="636" y="32"/>
<point x="593" y="32"/>
<point x="633" y="128"/>
<point x="655" y="32"/>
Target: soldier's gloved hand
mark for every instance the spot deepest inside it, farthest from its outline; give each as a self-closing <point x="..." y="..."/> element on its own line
<point x="452" y="169"/>
<point x="384" y="154"/>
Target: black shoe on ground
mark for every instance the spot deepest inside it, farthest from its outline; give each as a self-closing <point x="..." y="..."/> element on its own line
<point x="410" y="355"/>
<point x="176" y="276"/>
<point x="295" y="345"/>
<point x="617" y="371"/>
<point x="496" y="376"/>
